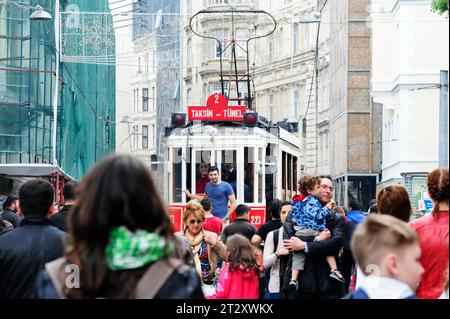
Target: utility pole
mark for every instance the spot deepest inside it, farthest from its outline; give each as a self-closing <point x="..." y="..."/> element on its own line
<point x="443" y="120"/>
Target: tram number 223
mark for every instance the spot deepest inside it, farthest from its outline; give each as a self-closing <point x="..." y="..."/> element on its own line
<point x="255" y="220"/>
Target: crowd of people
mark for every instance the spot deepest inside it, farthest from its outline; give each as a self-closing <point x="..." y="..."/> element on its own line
<point x="113" y="238"/>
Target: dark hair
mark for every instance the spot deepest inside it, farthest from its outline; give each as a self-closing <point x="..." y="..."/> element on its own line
<point x="394" y="200"/>
<point x="69" y="190"/>
<point x="9" y="201"/>
<point x="373" y="209"/>
<point x="206" y="203"/>
<point x="36" y="197"/>
<point x="241" y="210"/>
<point x="284" y="204"/>
<point x="438" y="187"/>
<point x="241" y="253"/>
<point x="118" y="191"/>
<point x="275" y="208"/>
<point x="372" y="202"/>
<point x="327" y="177"/>
<point x="307" y="183"/>
<point x="354" y="204"/>
<point x="212" y="169"/>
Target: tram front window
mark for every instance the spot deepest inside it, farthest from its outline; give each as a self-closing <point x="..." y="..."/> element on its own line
<point x="202" y="163"/>
<point x="177" y="175"/>
<point x="202" y="178"/>
<point x="228" y="169"/>
<point x="249" y="174"/>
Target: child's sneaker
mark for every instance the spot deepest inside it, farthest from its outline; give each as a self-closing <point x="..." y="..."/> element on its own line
<point x="293" y="285"/>
<point x="336" y="275"/>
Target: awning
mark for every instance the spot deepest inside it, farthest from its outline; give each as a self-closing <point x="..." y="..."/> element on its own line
<point x="32" y="170"/>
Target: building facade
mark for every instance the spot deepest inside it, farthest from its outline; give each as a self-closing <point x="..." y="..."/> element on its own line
<point x="86" y="104"/>
<point x="348" y="122"/>
<point x="410" y="47"/>
<point x="312" y="76"/>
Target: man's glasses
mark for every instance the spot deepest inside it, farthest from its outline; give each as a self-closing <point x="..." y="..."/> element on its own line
<point x="195" y="221"/>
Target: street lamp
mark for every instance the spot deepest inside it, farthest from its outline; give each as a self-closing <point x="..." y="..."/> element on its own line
<point x="40" y="14"/>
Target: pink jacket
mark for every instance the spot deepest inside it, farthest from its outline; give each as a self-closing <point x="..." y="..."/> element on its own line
<point x="238" y="284"/>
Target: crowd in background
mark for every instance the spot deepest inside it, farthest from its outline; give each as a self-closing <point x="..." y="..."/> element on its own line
<point x="114" y="233"/>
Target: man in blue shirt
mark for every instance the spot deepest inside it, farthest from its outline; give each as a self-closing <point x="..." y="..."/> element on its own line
<point x="220" y="193"/>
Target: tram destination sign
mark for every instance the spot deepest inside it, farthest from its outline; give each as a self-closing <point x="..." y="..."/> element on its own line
<point x="208" y="113"/>
<point x="216" y="109"/>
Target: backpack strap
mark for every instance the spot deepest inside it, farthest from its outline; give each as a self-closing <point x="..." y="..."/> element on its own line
<point x="146" y="288"/>
<point x="155" y="277"/>
<point x="54" y="271"/>
<point x="276" y="234"/>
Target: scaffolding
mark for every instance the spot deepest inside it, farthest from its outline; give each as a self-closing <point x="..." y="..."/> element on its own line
<point x="86" y="106"/>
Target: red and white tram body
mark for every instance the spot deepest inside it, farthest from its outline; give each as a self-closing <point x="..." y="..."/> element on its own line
<point x="261" y="163"/>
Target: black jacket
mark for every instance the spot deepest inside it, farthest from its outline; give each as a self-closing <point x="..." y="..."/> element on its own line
<point x="59" y="220"/>
<point x="239" y="226"/>
<point x="314" y="279"/>
<point x="12" y="217"/>
<point x="24" y="252"/>
<point x="182" y="284"/>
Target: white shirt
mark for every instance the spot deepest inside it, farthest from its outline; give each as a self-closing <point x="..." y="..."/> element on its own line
<point x="379" y="287"/>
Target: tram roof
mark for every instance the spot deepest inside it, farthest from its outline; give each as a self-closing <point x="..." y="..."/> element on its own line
<point x="239" y="134"/>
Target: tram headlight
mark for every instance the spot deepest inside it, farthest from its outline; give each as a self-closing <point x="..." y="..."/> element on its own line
<point x="178" y="120"/>
<point x="251" y="119"/>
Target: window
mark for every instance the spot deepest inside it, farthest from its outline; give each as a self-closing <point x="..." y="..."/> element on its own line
<point x="242" y="36"/>
<point x="295" y="97"/>
<point x="222" y="36"/>
<point x="228" y="168"/>
<point x="189" y="97"/>
<point x="145" y="137"/>
<point x="135" y="137"/>
<point x="177" y="175"/>
<point x="189" y="7"/>
<point x="249" y="174"/>
<point x="145" y="99"/>
<point x="243" y="89"/>
<point x="218" y="2"/>
<point x="153" y="136"/>
<point x="189" y="53"/>
<point x="153" y="99"/>
<point x="146" y="63"/>
<point x="137" y="101"/>
<point x="271" y="107"/>
<point x="202" y="162"/>
<point x="139" y="65"/>
<point x="295" y="38"/>
<point x="217" y="88"/>
<point x="271" y="49"/>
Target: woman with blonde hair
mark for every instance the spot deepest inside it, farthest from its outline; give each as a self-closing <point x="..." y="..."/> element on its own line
<point x="206" y="246"/>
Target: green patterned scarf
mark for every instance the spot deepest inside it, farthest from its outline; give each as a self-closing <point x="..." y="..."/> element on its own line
<point x="127" y="250"/>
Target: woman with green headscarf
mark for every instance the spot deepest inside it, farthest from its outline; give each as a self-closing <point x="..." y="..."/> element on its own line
<point x="119" y="230"/>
